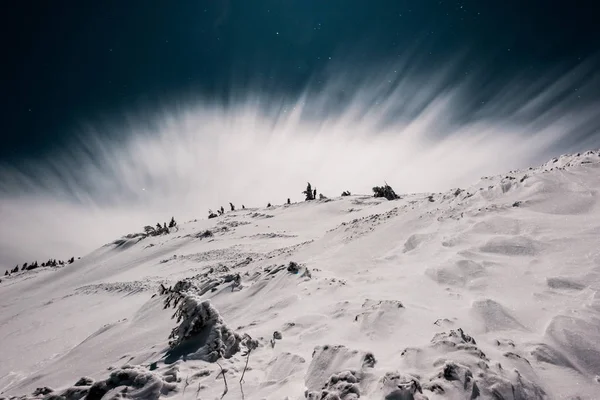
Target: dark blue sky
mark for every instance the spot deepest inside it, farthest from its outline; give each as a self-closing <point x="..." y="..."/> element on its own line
<point x="71" y="61"/>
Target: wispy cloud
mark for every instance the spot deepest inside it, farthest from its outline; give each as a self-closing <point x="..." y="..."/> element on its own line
<point x="346" y="131"/>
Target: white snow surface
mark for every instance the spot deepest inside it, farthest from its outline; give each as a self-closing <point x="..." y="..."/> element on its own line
<point x="491" y="291"/>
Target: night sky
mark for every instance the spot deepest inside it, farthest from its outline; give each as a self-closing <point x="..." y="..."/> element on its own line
<point x="68" y="62"/>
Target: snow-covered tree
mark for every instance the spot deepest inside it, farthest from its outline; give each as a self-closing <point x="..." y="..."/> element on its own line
<point x="385" y="191"/>
<point x="308" y="192"/>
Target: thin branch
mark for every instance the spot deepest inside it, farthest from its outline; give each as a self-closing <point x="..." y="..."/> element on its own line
<point x="224" y="380"/>
<point x="198" y="391"/>
<point x="245" y="367"/>
<point x="185" y="386"/>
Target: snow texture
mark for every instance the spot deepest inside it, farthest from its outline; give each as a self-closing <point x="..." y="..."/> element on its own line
<point x="485" y="292"/>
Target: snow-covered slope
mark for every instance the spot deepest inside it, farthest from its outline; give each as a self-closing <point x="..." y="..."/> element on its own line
<point x="488" y="292"/>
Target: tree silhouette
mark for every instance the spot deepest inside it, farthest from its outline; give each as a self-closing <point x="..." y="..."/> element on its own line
<point x="308" y="192"/>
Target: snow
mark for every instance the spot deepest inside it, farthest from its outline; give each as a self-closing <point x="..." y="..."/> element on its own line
<point x="490" y="291"/>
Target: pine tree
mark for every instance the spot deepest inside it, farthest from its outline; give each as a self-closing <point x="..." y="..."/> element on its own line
<point x="172" y="224"/>
<point x="232" y="206"/>
<point x="288" y="201"/>
<point x="308" y="192"/>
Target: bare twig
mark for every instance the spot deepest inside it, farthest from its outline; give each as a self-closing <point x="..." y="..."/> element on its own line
<point x="198" y="391"/>
<point x="245" y="367"/>
<point x="251" y="344"/>
<point x="243" y="373"/>
<point x="185" y="386"/>
<point x="224" y="380"/>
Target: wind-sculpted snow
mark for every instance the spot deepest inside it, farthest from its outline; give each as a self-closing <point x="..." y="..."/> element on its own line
<point x="485" y="292"/>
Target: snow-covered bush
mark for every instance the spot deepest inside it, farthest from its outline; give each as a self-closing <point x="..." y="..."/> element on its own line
<point x="136" y="380"/>
<point x="385" y="191"/>
<point x="200" y="321"/>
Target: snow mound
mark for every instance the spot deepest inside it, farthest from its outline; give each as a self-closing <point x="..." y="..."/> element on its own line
<point x="283" y="366"/>
<point x="494" y="316"/>
<point x="512" y="246"/>
<point x="565" y="283"/>
<point x="336" y="369"/>
<point x="461" y="370"/>
<point x="132" y="382"/>
<point x="579" y="339"/>
<point x="458" y="274"/>
<point x="380" y="318"/>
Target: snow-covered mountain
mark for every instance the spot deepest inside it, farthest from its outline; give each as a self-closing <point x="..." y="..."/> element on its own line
<point x="488" y="292"/>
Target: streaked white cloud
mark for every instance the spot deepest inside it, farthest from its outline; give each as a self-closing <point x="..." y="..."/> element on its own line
<point x="348" y="131"/>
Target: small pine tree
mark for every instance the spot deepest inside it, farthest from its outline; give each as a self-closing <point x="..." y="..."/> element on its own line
<point x="243" y="207"/>
<point x="6" y="273"/>
<point x="268" y="205"/>
<point x="172" y="224"/>
<point x="222" y="210"/>
<point x="308" y="192"/>
<point x="346" y="193"/>
<point x="24" y="267"/>
<point x="232" y="206"/>
<point x="288" y="201"/>
<point x="315" y="193"/>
